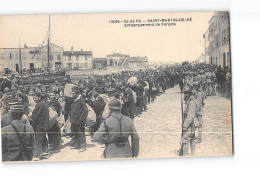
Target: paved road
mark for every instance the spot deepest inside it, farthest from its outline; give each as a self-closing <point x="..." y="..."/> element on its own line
<point x="160" y="129"/>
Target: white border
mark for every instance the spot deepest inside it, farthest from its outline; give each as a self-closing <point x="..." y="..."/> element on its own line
<point x="245" y="28"/>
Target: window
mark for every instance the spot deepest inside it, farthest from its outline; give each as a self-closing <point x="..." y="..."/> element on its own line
<point x="86" y="57"/>
<point x="69" y="58"/>
<point x="77" y="57"/>
<point x="10" y="56"/>
<point x="50" y="57"/>
<point x="58" y="57"/>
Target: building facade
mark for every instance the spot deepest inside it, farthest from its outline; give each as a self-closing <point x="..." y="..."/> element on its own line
<point x="79" y="60"/>
<point x="135" y="62"/>
<point x="31" y="58"/>
<point x="99" y="63"/>
<point x="116" y="59"/>
<point x="126" y="61"/>
<point x="218" y="37"/>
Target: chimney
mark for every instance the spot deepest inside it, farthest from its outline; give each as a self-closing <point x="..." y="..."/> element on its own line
<point x="81" y="50"/>
<point x="25" y="46"/>
<point x="71" y="49"/>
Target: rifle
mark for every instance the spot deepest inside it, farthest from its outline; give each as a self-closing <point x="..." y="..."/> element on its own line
<point x="182" y="121"/>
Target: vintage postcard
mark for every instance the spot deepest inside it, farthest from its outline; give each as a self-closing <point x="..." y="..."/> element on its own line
<point x="80" y="87"/>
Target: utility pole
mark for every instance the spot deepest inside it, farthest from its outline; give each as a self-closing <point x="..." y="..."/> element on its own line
<point x="48" y="45"/>
<point x="48" y="53"/>
<point x="20" y="57"/>
<point x="218" y="20"/>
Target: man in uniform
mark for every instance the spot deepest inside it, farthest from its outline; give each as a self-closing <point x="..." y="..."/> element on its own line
<point x="115" y="131"/>
<point x="18" y="140"/>
<point x="203" y="81"/>
<point x="188" y="127"/>
<point x="199" y="96"/>
<point x="213" y="82"/>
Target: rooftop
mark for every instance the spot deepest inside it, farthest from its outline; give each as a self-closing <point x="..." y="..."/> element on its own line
<point x="77" y="52"/>
<point x="116" y="54"/>
<point x="137" y="59"/>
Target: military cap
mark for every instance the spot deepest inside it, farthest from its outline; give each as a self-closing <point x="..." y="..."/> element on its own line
<point x="187" y="89"/>
<point x="6" y="89"/>
<point x="39" y="84"/>
<point x="16" y="108"/>
<point x="196" y="83"/>
<point x="9" y="93"/>
<point x="201" y="71"/>
<point x="110" y="90"/>
<point x="14" y="88"/>
<point x="114" y="104"/>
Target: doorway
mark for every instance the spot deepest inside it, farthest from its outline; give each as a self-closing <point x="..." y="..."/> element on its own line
<point x="32" y="67"/>
<point x="224" y="60"/>
<point x="17" y="68"/>
<point x="57" y="65"/>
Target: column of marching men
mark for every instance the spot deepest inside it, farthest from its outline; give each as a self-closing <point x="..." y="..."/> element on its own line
<point x="34" y="118"/>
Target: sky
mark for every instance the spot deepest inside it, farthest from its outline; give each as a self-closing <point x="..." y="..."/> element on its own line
<point x="95" y="32"/>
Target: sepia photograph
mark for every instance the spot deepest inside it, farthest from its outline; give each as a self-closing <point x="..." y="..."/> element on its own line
<point x="102" y="86"/>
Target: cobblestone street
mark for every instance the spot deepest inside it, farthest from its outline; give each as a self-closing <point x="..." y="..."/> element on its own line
<point x="160" y="130"/>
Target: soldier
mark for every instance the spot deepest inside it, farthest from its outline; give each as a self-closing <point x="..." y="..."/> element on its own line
<point x="208" y="83"/>
<point x="188" y="127"/>
<point x="203" y="81"/>
<point x="5" y="96"/>
<point x="115" y="131"/>
<point x="18" y="140"/>
<point x="199" y="96"/>
<point x="213" y="82"/>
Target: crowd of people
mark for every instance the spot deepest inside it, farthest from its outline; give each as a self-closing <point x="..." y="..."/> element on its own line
<point x="34" y="118"/>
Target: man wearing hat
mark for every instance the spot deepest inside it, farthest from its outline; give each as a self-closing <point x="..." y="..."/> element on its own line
<point x="39" y="87"/>
<point x="129" y="108"/>
<point x="213" y="82"/>
<point x="6" y="89"/>
<point x="199" y="96"/>
<point x="54" y="130"/>
<point x="114" y="133"/>
<point x="18" y="140"/>
<point x="14" y="82"/>
<point x="188" y="127"/>
<point x="98" y="104"/>
<point x="78" y="115"/>
<point x="40" y="122"/>
<point x="111" y="96"/>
